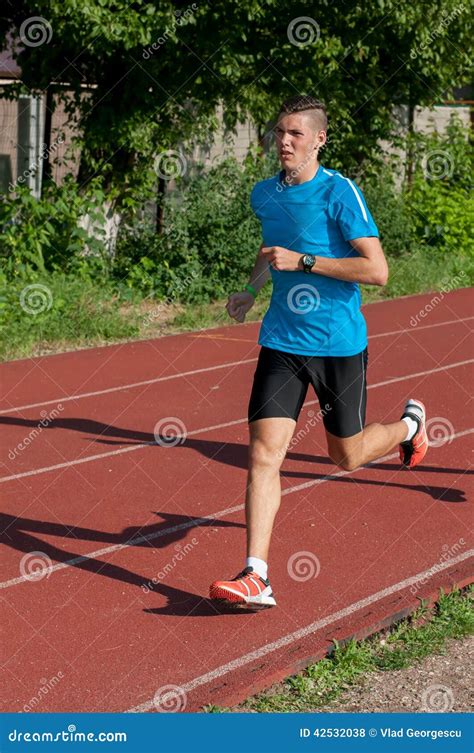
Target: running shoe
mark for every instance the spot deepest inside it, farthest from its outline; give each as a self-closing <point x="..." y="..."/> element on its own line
<point x="413" y="450"/>
<point x="246" y="589"/>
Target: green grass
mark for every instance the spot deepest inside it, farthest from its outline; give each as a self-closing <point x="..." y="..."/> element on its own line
<point x="56" y="311"/>
<point x="420" y="272"/>
<point x="215" y="315"/>
<point x="424" y="633"/>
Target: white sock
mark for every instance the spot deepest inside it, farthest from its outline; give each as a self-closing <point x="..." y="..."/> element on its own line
<point x="260" y="566"/>
<point x="413" y="407"/>
<point x="412" y="427"/>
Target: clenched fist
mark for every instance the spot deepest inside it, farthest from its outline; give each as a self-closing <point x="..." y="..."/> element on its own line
<point x="282" y="259"/>
<point x="239" y="304"/>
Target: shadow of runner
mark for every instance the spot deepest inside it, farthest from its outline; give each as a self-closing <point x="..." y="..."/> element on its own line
<point x="236" y="455"/>
<point x="441" y="493"/>
<point x="17" y="534"/>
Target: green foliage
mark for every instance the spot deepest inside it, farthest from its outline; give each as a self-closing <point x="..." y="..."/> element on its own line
<point x="155" y="73"/>
<point x="40" y="236"/>
<point x="157" y="265"/>
<point x="210" y="240"/>
<point x="57" y="308"/>
<point x="55" y="273"/>
<point x="391" y="213"/>
<point x="216" y="223"/>
<point x="443" y="218"/>
<point x="441" y="201"/>
<point x="446" y="158"/>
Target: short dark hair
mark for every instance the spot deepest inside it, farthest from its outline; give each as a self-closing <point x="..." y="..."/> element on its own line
<point x="306" y="103"/>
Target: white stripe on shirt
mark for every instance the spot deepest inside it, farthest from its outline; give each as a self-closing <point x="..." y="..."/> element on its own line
<point x="364" y="213"/>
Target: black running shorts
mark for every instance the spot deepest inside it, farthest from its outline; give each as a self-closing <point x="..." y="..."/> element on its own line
<point x="281" y="382"/>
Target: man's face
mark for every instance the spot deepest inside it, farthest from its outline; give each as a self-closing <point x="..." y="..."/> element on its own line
<point x="297" y="140"/>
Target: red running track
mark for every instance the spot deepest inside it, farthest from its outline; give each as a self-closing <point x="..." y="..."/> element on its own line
<point x="124" y="535"/>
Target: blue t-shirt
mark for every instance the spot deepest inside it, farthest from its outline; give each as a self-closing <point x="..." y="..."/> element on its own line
<point x="310" y="314"/>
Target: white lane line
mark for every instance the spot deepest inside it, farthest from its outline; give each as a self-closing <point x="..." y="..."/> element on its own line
<point x="424" y="326"/>
<point x="314" y="627"/>
<point x="203" y="430"/>
<point x="420" y="373"/>
<point x="194" y="522"/>
<point x="82" y="395"/>
<point x="129" y="386"/>
<point x="138" y="446"/>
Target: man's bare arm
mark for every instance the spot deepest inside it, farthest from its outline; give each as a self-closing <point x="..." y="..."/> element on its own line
<point x="370" y="268"/>
<point x="261" y="271"/>
<point x="239" y="304"/>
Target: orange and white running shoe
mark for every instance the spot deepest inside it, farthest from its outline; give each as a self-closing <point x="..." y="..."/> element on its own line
<point x="246" y="589"/>
<point x="413" y="450"/>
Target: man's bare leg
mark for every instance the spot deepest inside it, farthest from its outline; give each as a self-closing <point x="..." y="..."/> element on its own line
<point x="269" y="438"/>
<point x="371" y="443"/>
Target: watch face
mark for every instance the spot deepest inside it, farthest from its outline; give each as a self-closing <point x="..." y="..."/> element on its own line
<point x="308" y="262"/>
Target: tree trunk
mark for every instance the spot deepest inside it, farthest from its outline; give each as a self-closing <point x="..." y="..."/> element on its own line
<point x="46" y="162"/>
<point x="411" y="145"/>
<point x="160" y="195"/>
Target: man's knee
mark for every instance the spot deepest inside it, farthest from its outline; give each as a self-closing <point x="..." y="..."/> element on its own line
<point x="265" y="454"/>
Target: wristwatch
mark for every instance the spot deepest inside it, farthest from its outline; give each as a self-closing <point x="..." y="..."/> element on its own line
<point x="308" y="262"/>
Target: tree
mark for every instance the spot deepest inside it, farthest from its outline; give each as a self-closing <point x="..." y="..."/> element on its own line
<point x="142" y="76"/>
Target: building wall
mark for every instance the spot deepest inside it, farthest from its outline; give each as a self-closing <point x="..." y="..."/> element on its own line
<point x="426" y="120"/>
<point x="233" y="144"/>
<point x="65" y="160"/>
<point x="8" y="143"/>
<point x="15" y="152"/>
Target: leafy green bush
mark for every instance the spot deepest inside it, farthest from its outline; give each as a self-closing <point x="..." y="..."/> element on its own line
<point x="156" y="266"/>
<point x="440" y="200"/>
<point x="443" y="218"/>
<point x="391" y="213"/>
<point x="210" y="240"/>
<point x="42" y="235"/>
<point x="221" y="230"/>
<point x="444" y="159"/>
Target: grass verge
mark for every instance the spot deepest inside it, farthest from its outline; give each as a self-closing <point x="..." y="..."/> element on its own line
<point x="409" y="641"/>
<point x="58" y="312"/>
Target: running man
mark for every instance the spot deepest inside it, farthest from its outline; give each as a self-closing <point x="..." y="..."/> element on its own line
<point x="319" y="242"/>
